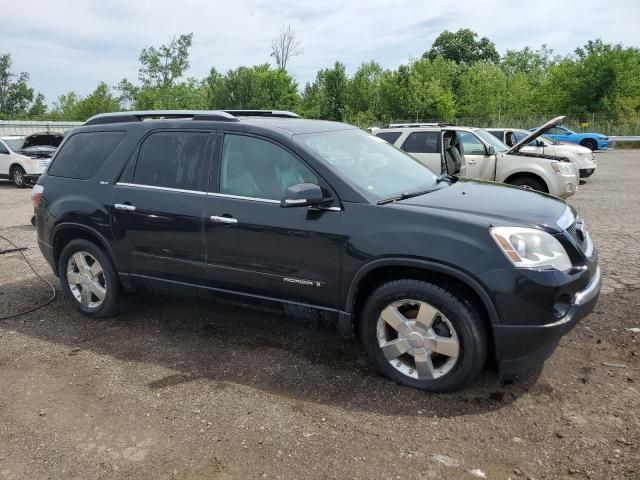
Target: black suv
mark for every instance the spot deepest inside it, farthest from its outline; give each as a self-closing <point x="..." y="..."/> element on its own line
<point x="433" y="274"/>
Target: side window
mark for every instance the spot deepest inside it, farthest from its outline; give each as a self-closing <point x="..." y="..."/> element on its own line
<point x="256" y="168"/>
<point x="556" y="131"/>
<point x="422" y="142"/>
<point x="84" y="153"/>
<point x="3" y="149"/>
<point x="497" y="133"/>
<point x="471" y="144"/>
<point x="173" y="160"/>
<point x="390" y="137"/>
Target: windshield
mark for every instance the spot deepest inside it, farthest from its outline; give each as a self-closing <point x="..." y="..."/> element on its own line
<point x="521" y="134"/>
<point x="491" y="140"/>
<point x="370" y="162"/>
<point x="14" y="143"/>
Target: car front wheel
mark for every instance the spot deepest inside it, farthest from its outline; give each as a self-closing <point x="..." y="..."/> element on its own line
<point x="590" y="144"/>
<point x="422" y="336"/>
<point x="89" y="280"/>
<point x="19" y="176"/>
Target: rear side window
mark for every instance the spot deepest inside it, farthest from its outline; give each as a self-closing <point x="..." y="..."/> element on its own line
<point x="496" y="133"/>
<point x="173" y="160"/>
<point x="422" y="142"/>
<point x="390" y="137"/>
<point x="84" y="153"/>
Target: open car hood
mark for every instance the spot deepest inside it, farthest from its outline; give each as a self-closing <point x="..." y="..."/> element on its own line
<point x="535" y="134"/>
<point x="43" y="139"/>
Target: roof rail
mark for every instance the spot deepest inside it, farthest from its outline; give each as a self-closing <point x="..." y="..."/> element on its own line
<point x="139" y="116"/>
<point x="262" y="113"/>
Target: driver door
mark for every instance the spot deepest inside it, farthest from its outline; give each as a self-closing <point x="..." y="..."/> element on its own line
<point x="256" y="247"/>
<point x="479" y="163"/>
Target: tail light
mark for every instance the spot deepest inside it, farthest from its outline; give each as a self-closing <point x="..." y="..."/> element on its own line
<point x="36" y="194"/>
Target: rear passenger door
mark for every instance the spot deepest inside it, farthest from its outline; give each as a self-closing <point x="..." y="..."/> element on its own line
<point x="426" y="147"/>
<point x="157" y="207"/>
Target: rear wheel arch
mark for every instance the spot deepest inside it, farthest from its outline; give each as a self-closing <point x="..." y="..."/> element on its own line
<point x="67" y="232"/>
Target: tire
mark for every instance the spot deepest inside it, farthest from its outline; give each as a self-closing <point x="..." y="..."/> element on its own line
<point x="84" y="291"/>
<point x="590" y="143"/>
<point x="529" y="183"/>
<point x="19" y="176"/>
<point x="452" y="320"/>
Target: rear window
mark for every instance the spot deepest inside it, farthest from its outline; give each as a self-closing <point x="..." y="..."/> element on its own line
<point x="84" y="153"/>
<point x="390" y="137"/>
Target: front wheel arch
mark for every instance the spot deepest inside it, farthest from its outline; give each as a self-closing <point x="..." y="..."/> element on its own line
<point x="532" y="176"/>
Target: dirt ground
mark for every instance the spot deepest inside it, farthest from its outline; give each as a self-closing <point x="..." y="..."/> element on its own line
<point x="183" y="389"/>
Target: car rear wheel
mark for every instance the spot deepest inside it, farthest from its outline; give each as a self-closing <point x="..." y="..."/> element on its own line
<point x="19" y="176"/>
<point x="589" y="143"/>
<point x="529" y="183"/>
<point x="89" y="280"/>
<point x="420" y="335"/>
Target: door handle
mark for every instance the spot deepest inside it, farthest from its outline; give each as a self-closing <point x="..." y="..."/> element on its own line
<point x="472" y="162"/>
<point x="227" y="220"/>
<point x="125" y="207"/>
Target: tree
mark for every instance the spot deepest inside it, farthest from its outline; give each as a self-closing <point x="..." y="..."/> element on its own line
<point x="285" y="47"/>
<point x="73" y="107"/>
<point x="15" y="94"/>
<point x="463" y="47"/>
<point x="38" y="108"/>
<point x="162" y="66"/>
<point x="326" y="96"/>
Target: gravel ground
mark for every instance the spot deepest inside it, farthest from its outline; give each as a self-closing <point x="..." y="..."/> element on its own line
<point x="178" y="388"/>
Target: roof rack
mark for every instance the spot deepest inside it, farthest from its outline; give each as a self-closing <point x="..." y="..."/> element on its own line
<point x="416" y="125"/>
<point x="211" y="115"/>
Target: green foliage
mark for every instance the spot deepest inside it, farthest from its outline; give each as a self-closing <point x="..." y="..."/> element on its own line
<point x="160" y="67"/>
<point x="327" y="96"/>
<point x="463" y="47"/>
<point x="16" y="97"/>
<point x="73" y="107"/>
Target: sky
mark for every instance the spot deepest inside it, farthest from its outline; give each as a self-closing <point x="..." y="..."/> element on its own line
<point x="70" y="45"/>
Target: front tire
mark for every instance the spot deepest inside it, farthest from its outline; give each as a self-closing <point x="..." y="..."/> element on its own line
<point x="19" y="176"/>
<point x="422" y="336"/>
<point x="89" y="280"/>
<point x="590" y="143"/>
<point x="529" y="183"/>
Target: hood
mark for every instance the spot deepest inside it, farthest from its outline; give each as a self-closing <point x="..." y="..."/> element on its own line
<point x="43" y="139"/>
<point x="498" y="203"/>
<point x="536" y="133"/>
<point x="38" y="152"/>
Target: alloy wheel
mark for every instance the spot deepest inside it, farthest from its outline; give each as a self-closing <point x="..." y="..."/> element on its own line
<point x="417" y="339"/>
<point x="86" y="279"/>
<point x="18" y="177"/>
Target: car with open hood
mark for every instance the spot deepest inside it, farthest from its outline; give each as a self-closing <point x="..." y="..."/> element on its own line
<point x="583" y="157"/>
<point x="475" y="153"/>
<point x="23" y="159"/>
<point x="436" y="275"/>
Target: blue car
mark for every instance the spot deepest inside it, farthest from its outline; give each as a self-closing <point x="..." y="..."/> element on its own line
<point x="593" y="141"/>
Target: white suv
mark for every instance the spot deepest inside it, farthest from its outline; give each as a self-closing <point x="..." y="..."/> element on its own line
<point x="582" y="156"/>
<point x="475" y="153"/>
<point x="20" y="169"/>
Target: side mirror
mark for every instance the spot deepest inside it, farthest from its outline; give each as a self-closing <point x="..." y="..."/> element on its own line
<point x="539" y="143"/>
<point x="491" y="150"/>
<point x="304" y="195"/>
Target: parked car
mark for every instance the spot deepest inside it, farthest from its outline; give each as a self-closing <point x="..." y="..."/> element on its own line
<point x="434" y="274"/>
<point x="477" y="154"/>
<point x="21" y="168"/>
<point x="41" y="145"/>
<point x="583" y="157"/>
<point x="592" y="141"/>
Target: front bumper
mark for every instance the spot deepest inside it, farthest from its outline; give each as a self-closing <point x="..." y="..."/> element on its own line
<point x="529" y="332"/>
<point x="586" y="172"/>
<point x="32" y="178"/>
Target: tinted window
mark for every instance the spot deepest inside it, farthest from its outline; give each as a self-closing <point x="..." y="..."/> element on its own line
<point x="84" y="153"/>
<point x="173" y="160"/>
<point x="390" y="137"/>
<point x="3" y="149"/>
<point x="256" y="168"/>
<point x="422" y="142"/>
<point x="496" y="133"/>
<point x="472" y="144"/>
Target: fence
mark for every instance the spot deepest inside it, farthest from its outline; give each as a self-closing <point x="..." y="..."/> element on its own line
<point x="27" y="127"/>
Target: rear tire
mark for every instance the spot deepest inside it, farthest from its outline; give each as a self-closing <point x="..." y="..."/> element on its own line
<point x="589" y="143"/>
<point x="89" y="280"/>
<point x="529" y="183"/>
<point x="19" y="176"/>
<point x="421" y="353"/>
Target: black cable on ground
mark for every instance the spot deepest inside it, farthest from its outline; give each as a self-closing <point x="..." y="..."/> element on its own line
<point x="53" y="289"/>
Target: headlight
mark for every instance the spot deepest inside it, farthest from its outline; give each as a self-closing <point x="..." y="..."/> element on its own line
<point x="565" y="168"/>
<point x="531" y="248"/>
<point x="587" y="155"/>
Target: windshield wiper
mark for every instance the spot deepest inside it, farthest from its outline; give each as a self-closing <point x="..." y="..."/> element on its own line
<point x="406" y="195"/>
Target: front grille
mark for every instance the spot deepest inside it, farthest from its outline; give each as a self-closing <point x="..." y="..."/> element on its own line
<point x="578" y="233"/>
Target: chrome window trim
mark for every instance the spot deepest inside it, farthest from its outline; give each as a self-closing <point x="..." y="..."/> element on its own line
<point x="240" y="197"/>
<point x="163" y="189"/>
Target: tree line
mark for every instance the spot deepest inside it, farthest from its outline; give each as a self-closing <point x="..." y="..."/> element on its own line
<point x="459" y="76"/>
